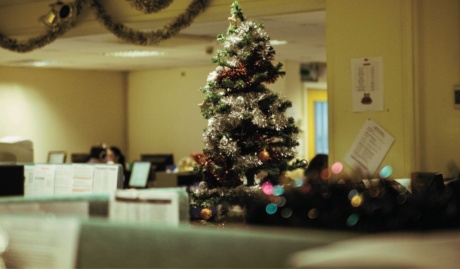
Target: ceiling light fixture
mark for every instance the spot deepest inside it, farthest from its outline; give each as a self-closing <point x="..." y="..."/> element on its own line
<point x="40" y="63"/>
<point x="60" y="12"/>
<point x="134" y="53"/>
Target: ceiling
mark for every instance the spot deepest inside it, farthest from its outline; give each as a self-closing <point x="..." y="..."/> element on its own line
<point x="83" y="46"/>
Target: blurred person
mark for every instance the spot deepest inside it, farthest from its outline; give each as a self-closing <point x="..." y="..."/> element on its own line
<point x="98" y="154"/>
<point x="115" y="156"/>
<point x="316" y="165"/>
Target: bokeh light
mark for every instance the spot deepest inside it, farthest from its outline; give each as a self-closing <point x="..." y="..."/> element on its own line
<point x="286" y="212"/>
<point x="280" y="201"/>
<point x="313" y="213"/>
<point x="299" y="182"/>
<point x="356" y="201"/>
<point x="271" y="208"/>
<point x="325" y="174"/>
<point x="267" y="188"/>
<point x="352" y="220"/>
<point x="278" y="190"/>
<point x="386" y="171"/>
<point x="306" y="187"/>
<point x="352" y="194"/>
<point x="337" y="168"/>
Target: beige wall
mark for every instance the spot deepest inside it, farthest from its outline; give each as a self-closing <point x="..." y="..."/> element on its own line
<point x="378" y="28"/>
<point x="163" y="112"/>
<point x="419" y="43"/>
<point x="157" y="110"/>
<point x="62" y="110"/>
<point x="438" y="66"/>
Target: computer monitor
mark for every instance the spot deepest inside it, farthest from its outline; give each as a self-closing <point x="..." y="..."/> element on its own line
<point x="11" y="180"/>
<point x="57" y="156"/>
<point x="79" y="157"/>
<point x="159" y="161"/>
<point x="140" y="175"/>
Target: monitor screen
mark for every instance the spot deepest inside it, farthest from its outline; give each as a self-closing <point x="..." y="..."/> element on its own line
<point x="140" y="175"/>
<point x="79" y="157"/>
<point x="57" y="157"/>
<point x="159" y="161"/>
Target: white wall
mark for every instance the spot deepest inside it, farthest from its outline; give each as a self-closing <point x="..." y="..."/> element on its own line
<point x="62" y="110"/>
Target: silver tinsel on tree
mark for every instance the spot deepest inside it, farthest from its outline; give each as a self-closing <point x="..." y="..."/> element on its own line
<point x="248" y="131"/>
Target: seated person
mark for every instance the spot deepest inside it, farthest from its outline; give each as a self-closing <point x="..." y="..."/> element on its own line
<point x="98" y="154"/>
<point x="115" y="156"/>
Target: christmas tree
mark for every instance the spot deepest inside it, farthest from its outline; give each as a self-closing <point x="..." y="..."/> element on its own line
<point x="248" y="132"/>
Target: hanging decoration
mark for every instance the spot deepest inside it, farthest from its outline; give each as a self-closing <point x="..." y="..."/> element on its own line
<point x="62" y="17"/>
<point x="150" y="37"/>
<point x="59" y="20"/>
<point x="150" y="6"/>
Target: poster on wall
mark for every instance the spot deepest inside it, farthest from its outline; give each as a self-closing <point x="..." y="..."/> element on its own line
<point x="367" y="84"/>
<point x="369" y="148"/>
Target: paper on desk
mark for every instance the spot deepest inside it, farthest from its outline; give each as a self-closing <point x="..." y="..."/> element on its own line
<point x="82" y="178"/>
<point x="40" y="242"/>
<point x="43" y="182"/>
<point x="63" y="179"/>
<point x="369" y="148"/>
<point x="146" y="206"/>
<point x="29" y="180"/>
<point x="105" y="178"/>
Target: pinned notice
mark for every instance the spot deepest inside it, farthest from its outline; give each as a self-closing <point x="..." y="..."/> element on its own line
<point x="369" y="148"/>
<point x="367" y="84"/>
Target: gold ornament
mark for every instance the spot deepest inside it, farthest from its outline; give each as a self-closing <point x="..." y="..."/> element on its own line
<point x="206" y="213"/>
<point x="232" y="21"/>
<point x="264" y="155"/>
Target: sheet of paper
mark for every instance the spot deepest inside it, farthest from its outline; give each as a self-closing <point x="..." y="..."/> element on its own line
<point x="82" y="178"/>
<point x="367" y="84"/>
<point x="369" y="148"/>
<point x="63" y="179"/>
<point x="29" y="180"/>
<point x="43" y="181"/>
<point x="40" y="242"/>
<point x="146" y="206"/>
<point x="105" y="178"/>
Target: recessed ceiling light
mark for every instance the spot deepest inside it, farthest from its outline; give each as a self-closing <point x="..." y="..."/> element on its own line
<point x="40" y="63"/>
<point x="31" y="62"/>
<point x="278" y="42"/>
<point x="134" y="53"/>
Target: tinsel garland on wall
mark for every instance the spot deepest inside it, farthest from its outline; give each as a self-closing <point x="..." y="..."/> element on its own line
<point x="60" y="27"/>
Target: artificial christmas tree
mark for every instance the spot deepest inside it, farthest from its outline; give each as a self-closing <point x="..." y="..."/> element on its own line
<point x="248" y="132"/>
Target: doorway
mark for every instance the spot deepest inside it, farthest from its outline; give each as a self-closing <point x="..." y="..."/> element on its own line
<point x="317" y="122"/>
